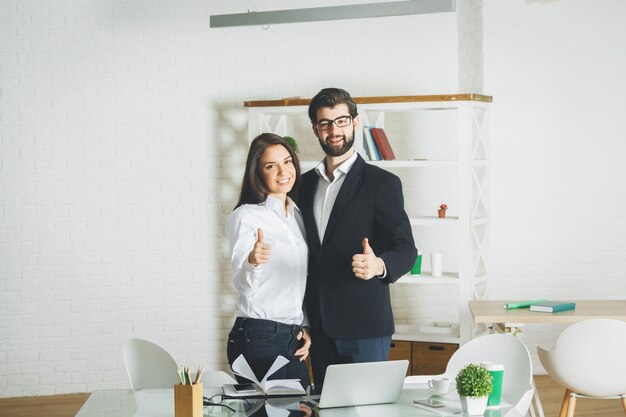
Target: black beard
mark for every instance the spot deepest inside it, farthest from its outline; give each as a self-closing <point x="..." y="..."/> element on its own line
<point x="331" y="151"/>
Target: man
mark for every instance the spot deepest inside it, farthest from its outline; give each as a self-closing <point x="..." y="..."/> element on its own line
<point x="359" y="238"/>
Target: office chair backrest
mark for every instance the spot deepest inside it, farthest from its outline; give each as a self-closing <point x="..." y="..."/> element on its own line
<point x="148" y="365"/>
<point x="517" y="385"/>
<point x="589" y="358"/>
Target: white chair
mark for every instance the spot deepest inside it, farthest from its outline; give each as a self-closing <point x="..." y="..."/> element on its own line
<point x="517" y="384"/>
<point x="217" y="379"/>
<point x="149" y="365"/>
<point x="589" y="360"/>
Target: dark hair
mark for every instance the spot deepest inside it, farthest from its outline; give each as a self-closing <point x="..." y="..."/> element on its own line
<point x="253" y="190"/>
<point x="330" y="97"/>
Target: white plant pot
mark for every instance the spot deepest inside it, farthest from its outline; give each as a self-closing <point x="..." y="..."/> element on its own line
<point x="474" y="406"/>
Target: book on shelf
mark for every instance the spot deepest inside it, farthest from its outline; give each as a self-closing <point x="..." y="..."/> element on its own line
<point x="522" y="304"/>
<point x="382" y="143"/>
<point x="370" y="146"/>
<point x="553" y="306"/>
<point x="263" y="388"/>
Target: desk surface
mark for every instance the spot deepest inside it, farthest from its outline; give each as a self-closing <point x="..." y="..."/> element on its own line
<point x="493" y="311"/>
<point x="160" y="403"/>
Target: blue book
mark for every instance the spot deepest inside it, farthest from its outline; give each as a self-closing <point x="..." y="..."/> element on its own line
<point x="553" y="306"/>
<point x="370" y="146"/>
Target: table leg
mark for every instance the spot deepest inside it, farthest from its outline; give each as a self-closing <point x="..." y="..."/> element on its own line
<point x="514" y="329"/>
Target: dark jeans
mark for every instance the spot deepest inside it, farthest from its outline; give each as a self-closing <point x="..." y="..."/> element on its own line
<point x="326" y="350"/>
<point x="260" y="342"/>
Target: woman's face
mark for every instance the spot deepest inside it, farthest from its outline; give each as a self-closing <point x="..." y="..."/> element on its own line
<point x="277" y="171"/>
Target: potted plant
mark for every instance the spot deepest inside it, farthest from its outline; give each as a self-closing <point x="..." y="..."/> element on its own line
<point x="442" y="211"/>
<point x="292" y="142"/>
<point x="474" y="384"/>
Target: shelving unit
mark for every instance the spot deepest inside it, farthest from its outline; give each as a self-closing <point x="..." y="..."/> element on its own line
<point x="442" y="140"/>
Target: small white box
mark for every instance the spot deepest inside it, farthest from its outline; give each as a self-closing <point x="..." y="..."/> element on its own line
<point x="440" y="327"/>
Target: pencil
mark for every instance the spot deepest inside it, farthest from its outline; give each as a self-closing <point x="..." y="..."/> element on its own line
<point x="199" y="374"/>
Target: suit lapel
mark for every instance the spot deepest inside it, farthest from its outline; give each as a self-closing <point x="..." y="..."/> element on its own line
<point x="346" y="193"/>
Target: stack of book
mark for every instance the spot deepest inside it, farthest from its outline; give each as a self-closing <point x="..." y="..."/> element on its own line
<point x="543" y="305"/>
<point x="377" y="144"/>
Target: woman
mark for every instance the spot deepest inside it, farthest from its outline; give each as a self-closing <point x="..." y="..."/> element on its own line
<point x="269" y="262"/>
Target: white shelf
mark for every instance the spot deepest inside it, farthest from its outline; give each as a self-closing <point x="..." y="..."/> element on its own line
<point x="436" y="221"/>
<point x="423" y="163"/>
<point x="417" y="163"/>
<point x="398" y="163"/>
<point x="413" y="334"/>
<point x="468" y="168"/>
<point x="448" y="278"/>
<point x="433" y="220"/>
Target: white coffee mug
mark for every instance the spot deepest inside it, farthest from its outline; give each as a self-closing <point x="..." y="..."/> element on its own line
<point x="439" y="385"/>
<point x="436" y="262"/>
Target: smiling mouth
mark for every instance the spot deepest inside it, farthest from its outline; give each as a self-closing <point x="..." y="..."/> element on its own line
<point x="335" y="140"/>
<point x="284" y="181"/>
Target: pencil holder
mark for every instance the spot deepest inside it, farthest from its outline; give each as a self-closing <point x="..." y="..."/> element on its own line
<point x="188" y="400"/>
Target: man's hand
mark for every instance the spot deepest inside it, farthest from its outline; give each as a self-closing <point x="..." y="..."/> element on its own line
<point x="261" y="251"/>
<point x="367" y="265"/>
<point x="303" y="352"/>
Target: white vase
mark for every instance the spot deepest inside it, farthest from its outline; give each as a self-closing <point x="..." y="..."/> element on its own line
<point x="474" y="406"/>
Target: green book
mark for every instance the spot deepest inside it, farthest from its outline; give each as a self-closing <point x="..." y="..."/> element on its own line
<point x="523" y="304"/>
<point x="553" y="306"/>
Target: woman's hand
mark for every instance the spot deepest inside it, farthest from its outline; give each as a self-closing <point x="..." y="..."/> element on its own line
<point x="303" y="352"/>
<point x="261" y="251"/>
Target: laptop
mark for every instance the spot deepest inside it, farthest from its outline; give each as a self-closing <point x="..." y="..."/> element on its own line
<point x="364" y="383"/>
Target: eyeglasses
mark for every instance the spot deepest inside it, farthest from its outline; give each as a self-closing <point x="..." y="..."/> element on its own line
<point x="217" y="399"/>
<point x="341" y="121"/>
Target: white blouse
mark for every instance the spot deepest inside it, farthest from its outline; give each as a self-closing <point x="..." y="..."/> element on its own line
<point x="274" y="290"/>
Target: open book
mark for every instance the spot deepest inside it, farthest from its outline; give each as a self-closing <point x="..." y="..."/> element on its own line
<point x="263" y="388"/>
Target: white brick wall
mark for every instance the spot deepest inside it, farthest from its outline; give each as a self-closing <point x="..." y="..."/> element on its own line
<point x="121" y="151"/>
<point x="557" y="178"/>
<point x="122" y="144"/>
<point x="470" y="49"/>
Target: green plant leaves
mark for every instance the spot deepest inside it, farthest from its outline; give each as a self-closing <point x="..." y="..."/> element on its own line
<point x="474" y="381"/>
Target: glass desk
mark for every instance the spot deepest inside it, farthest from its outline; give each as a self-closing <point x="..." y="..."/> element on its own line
<point x="160" y="403"/>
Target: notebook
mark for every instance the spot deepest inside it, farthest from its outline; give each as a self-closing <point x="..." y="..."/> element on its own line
<point x="553" y="306"/>
<point x="362" y="383"/>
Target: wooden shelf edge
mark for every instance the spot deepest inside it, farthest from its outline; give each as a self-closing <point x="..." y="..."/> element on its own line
<point x="373" y="100"/>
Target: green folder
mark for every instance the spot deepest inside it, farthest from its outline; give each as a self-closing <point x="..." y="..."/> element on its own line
<point x="523" y="304"/>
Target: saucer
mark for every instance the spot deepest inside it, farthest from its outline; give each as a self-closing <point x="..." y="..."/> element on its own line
<point x="437" y="394"/>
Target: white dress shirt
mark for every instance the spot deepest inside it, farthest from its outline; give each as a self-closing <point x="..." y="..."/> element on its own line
<point x="274" y="290"/>
<point x="327" y="191"/>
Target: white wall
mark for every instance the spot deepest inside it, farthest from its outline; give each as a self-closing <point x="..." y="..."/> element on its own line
<point x="122" y="138"/>
<point x="556" y="71"/>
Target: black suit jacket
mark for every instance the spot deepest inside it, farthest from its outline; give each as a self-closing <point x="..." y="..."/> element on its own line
<point x="369" y="204"/>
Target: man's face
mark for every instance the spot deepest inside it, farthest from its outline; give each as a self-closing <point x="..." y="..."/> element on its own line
<point x="335" y="141"/>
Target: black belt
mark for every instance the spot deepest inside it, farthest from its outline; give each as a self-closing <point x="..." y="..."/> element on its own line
<point x="242" y="322"/>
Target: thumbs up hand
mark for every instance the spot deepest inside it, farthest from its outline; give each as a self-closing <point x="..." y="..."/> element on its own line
<point x="367" y="249"/>
<point x="261" y="251"/>
<point x="366" y="265"/>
